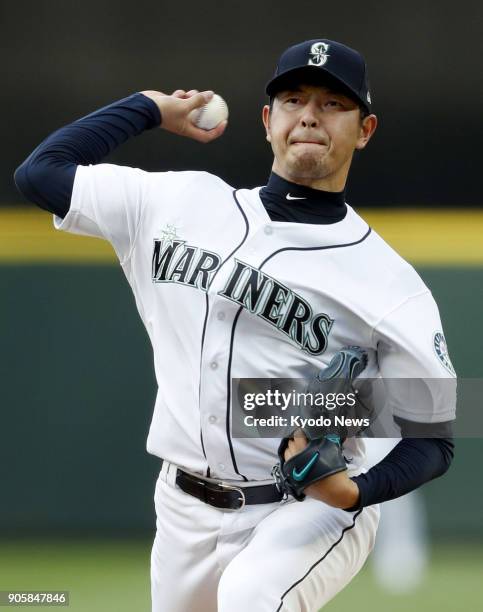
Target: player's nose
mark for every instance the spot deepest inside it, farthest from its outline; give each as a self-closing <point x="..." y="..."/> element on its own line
<point x="309" y="117"/>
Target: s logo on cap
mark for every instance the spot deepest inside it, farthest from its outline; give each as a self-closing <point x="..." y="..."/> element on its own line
<point x="319" y="54"/>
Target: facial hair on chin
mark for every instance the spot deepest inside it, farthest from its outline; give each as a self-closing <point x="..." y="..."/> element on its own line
<point x="308" y="166"/>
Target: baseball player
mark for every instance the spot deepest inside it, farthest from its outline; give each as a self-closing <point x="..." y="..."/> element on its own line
<point x="257" y="283"/>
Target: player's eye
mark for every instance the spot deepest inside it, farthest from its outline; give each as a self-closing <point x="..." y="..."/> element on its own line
<point x="292" y="100"/>
<point x="334" y="104"/>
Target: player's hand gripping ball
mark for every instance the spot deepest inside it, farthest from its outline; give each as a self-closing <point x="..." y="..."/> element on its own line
<point x="210" y="115"/>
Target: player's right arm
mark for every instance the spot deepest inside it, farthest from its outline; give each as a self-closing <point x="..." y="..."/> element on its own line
<point x="47" y="176"/>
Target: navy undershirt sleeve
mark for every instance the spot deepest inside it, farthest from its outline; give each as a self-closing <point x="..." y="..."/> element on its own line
<point x="411" y="463"/>
<point x="46" y="177"/>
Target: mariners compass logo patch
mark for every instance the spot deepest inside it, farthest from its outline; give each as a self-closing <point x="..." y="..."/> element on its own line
<point x="319" y="54"/>
<point x="441" y="350"/>
<point x="168" y="233"/>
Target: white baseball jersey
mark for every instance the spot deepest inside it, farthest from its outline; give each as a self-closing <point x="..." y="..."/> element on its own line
<point x="226" y="293"/>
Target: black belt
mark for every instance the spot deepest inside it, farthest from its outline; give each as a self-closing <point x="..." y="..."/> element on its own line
<point x="223" y="495"/>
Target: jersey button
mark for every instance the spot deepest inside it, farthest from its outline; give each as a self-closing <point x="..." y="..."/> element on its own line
<point x="213" y="365"/>
<point x="220" y="316"/>
<point x="268" y="230"/>
<point x="212" y="419"/>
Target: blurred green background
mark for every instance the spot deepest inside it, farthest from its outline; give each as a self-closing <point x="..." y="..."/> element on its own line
<point x="78" y="387"/>
<point x="114" y="575"/>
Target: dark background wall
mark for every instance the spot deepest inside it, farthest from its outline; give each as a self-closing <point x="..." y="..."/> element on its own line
<point x="60" y="60"/>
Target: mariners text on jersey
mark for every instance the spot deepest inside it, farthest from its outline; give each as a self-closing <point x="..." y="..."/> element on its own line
<point x="176" y="262"/>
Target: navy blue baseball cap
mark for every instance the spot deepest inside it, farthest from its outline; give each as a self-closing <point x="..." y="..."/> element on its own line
<point x="324" y="61"/>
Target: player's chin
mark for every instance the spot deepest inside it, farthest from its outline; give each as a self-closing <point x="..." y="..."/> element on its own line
<point x="308" y="151"/>
<point x="308" y="166"/>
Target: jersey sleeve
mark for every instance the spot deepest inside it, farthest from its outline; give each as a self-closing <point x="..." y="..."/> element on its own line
<point x="419" y="379"/>
<point x="107" y="202"/>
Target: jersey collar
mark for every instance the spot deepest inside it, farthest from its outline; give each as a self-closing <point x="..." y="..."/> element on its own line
<point x="286" y="201"/>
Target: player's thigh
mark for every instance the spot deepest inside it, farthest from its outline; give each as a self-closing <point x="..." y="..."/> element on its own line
<point x="299" y="558"/>
<point x="184" y="568"/>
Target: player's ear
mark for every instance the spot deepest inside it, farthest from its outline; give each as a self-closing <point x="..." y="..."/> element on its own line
<point x="366" y="130"/>
<point x="266" y="121"/>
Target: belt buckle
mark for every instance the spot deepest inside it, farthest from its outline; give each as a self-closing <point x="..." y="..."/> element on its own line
<point x="239" y="490"/>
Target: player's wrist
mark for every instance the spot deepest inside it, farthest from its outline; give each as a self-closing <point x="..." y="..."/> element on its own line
<point x="337" y="490"/>
<point x="352" y="496"/>
<point x="347" y="496"/>
<point x="156" y="97"/>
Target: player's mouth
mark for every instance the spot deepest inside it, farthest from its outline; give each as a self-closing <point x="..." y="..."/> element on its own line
<point x="308" y="141"/>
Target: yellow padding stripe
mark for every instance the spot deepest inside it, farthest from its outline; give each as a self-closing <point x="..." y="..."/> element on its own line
<point x="28" y="236"/>
<point x="432" y="237"/>
<point x="424" y="237"/>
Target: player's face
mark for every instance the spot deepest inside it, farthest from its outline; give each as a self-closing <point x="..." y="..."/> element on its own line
<point x="314" y="132"/>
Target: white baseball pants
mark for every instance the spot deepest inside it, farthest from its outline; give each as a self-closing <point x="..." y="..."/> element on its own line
<point x="281" y="557"/>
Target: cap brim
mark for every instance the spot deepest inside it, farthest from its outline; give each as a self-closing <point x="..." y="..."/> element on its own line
<point x="311" y="75"/>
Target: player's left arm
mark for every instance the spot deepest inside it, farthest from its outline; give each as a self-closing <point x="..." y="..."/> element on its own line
<point x="411" y="347"/>
<point x="412" y="463"/>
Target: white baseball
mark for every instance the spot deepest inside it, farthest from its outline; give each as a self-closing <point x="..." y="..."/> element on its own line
<point x="210" y="115"/>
